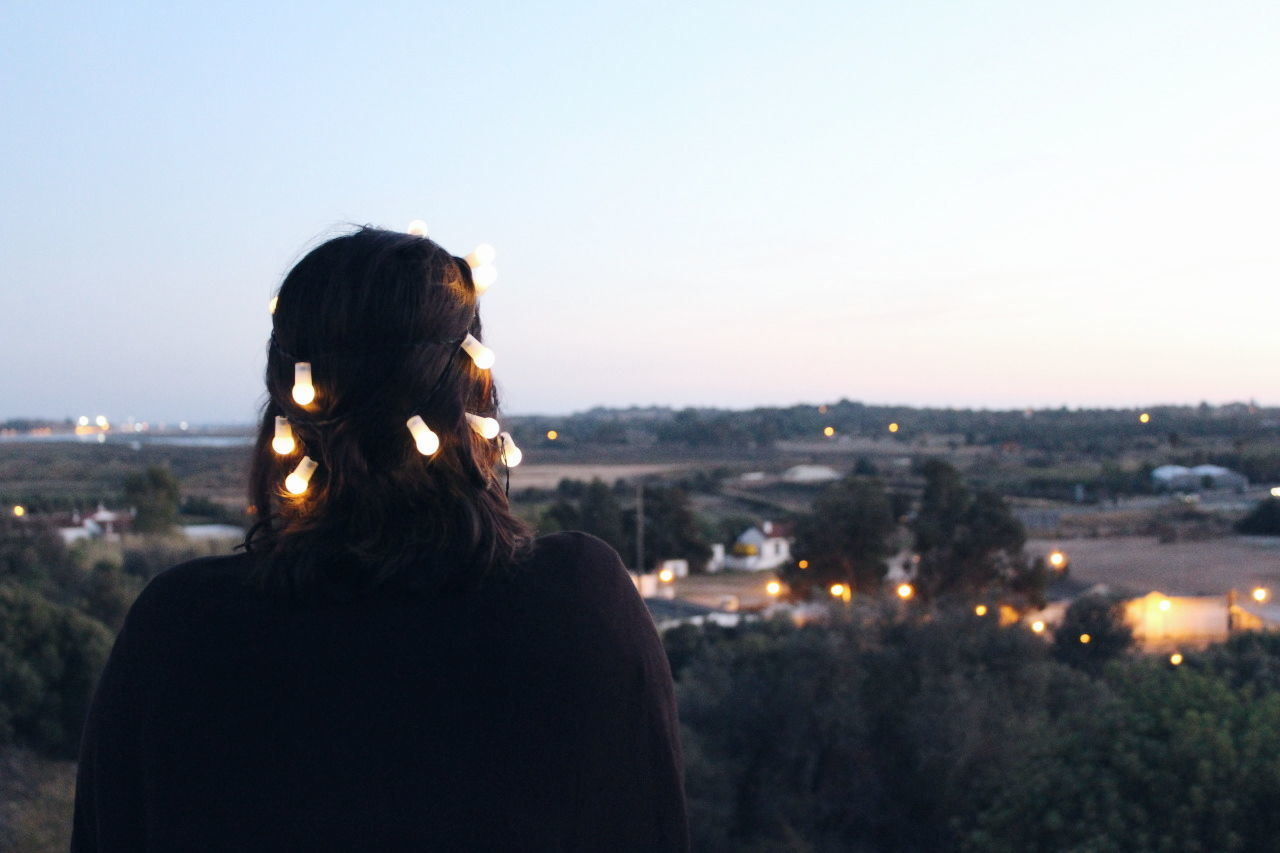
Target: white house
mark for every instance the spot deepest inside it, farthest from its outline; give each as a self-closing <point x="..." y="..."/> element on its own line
<point x="1177" y="478"/>
<point x="760" y="549"/>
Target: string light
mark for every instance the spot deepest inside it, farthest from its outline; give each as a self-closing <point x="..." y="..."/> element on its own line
<point x="484" y="427"/>
<point x="418" y="228"/>
<point x="283" y="443"/>
<point x="304" y="393"/>
<point x="271" y="306"/>
<point x="511" y="454"/>
<point x="482" y="256"/>
<point x="426" y="440"/>
<point x="480" y="354"/>
<point x="484" y="277"/>
<point x="297" y="482"/>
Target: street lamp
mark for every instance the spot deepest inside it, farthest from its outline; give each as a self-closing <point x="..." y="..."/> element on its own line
<point x="1261" y="594"/>
<point x="1058" y="560"/>
<point x="666" y="576"/>
<point x="1038" y="626"/>
<point x="980" y="610"/>
<point x="774" y="588"/>
<point x="905" y="591"/>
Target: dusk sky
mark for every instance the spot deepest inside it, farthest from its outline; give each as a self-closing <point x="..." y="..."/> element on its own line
<point x="994" y="204"/>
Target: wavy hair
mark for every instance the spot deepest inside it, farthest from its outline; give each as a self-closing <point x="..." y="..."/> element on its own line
<point x="380" y="316"/>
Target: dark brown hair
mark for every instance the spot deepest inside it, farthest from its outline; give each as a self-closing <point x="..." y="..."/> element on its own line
<point x="380" y="316"/>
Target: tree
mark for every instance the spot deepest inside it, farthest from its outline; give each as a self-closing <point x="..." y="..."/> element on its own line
<point x="844" y="539"/>
<point x="1093" y="632"/>
<point x="969" y="542"/>
<point x="600" y="514"/>
<point x="155" y="495"/>
<point x="1263" y="519"/>
<point x="671" y="529"/>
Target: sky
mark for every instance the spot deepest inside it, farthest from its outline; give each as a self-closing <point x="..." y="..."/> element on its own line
<point x="987" y="204"/>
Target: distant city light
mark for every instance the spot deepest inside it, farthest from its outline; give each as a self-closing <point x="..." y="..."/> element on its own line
<point x="83" y="420"/>
<point x="1275" y="491"/>
<point x="1038" y="626"/>
<point x="828" y="431"/>
<point x="666" y="576"/>
<point x="804" y="564"/>
<point x="1260" y="594"/>
<point x="1144" y="418"/>
<point x="552" y="435"/>
<point x="1165" y="604"/>
<point x="19" y="510"/>
<point x="893" y="427"/>
<point x="1057" y="559"/>
<point x="1176" y="659"/>
<point x="981" y="610"/>
<point x="1086" y="639"/>
<point x="773" y="588"/>
<point x="905" y="591"/>
<point x="837" y="590"/>
<point x="822" y="410"/>
<point x="101" y="421"/>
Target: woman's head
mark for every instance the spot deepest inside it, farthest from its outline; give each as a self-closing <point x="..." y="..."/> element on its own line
<point x="380" y="316"/>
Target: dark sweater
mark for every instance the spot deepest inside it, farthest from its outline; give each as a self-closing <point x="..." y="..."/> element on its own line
<point x="533" y="714"/>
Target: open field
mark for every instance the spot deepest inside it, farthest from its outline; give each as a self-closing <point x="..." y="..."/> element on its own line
<point x="547" y="476"/>
<point x="1139" y="564"/>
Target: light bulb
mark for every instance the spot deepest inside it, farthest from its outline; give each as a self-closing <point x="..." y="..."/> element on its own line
<point x="297" y="482"/>
<point x="283" y="443"/>
<point x="511" y="454"/>
<point x="484" y="277"/>
<point x="418" y="228"/>
<point x="426" y="440"/>
<point x="480" y="354"/>
<point x="303" y="391"/>
<point x="481" y="256"/>
<point x="271" y="306"/>
<point x="484" y="427"/>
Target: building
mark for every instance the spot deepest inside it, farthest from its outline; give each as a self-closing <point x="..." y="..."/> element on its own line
<point x="1179" y="478"/>
<point x="760" y="548"/>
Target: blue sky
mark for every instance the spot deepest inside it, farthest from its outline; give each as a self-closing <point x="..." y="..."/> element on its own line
<point x="987" y="204"/>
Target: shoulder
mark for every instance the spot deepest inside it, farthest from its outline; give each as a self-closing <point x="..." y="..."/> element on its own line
<point x="177" y="594"/>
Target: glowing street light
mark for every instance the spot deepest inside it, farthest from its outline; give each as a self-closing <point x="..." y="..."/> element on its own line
<point x="980" y="610"/>
<point x="893" y="427"/>
<point x="552" y="435"/>
<point x="828" y="431"/>
<point x="774" y="588"/>
<point x="1144" y="418"/>
<point x="1261" y="594"/>
<point x="1165" y="604"/>
<point x="905" y="591"/>
<point x="1038" y="626"/>
<point x="1086" y="639"/>
<point x="803" y="564"/>
<point x="1057" y="560"/>
<point x="1176" y="659"/>
<point x="19" y="511"/>
<point x="838" y="590"/>
<point x="667" y="576"/>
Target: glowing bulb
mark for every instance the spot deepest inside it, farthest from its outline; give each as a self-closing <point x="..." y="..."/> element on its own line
<point x="481" y="256"/>
<point x="837" y="590"/>
<point x="905" y="591"/>
<point x="666" y="576"/>
<point x="1086" y="639"/>
<point x="1260" y="595"/>
<point x="484" y="427"/>
<point x="511" y="454"/>
<point x="1144" y="418"/>
<point x="480" y="354"/>
<point x="828" y="431"/>
<point x="19" y="511"/>
<point x="426" y="440"/>
<point x="297" y="482"/>
<point x="1038" y="626"/>
<point x="552" y="435"/>
<point x="283" y="443"/>
<point x="773" y="588"/>
<point x="981" y="610"/>
<point x="484" y="277"/>
<point x="1176" y="659"/>
<point x="418" y="228"/>
<point x="1165" y="604"/>
<point x="271" y="306"/>
<point x="304" y="393"/>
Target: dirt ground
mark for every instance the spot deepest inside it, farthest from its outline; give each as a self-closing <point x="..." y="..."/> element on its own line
<point x="1138" y="564"/>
